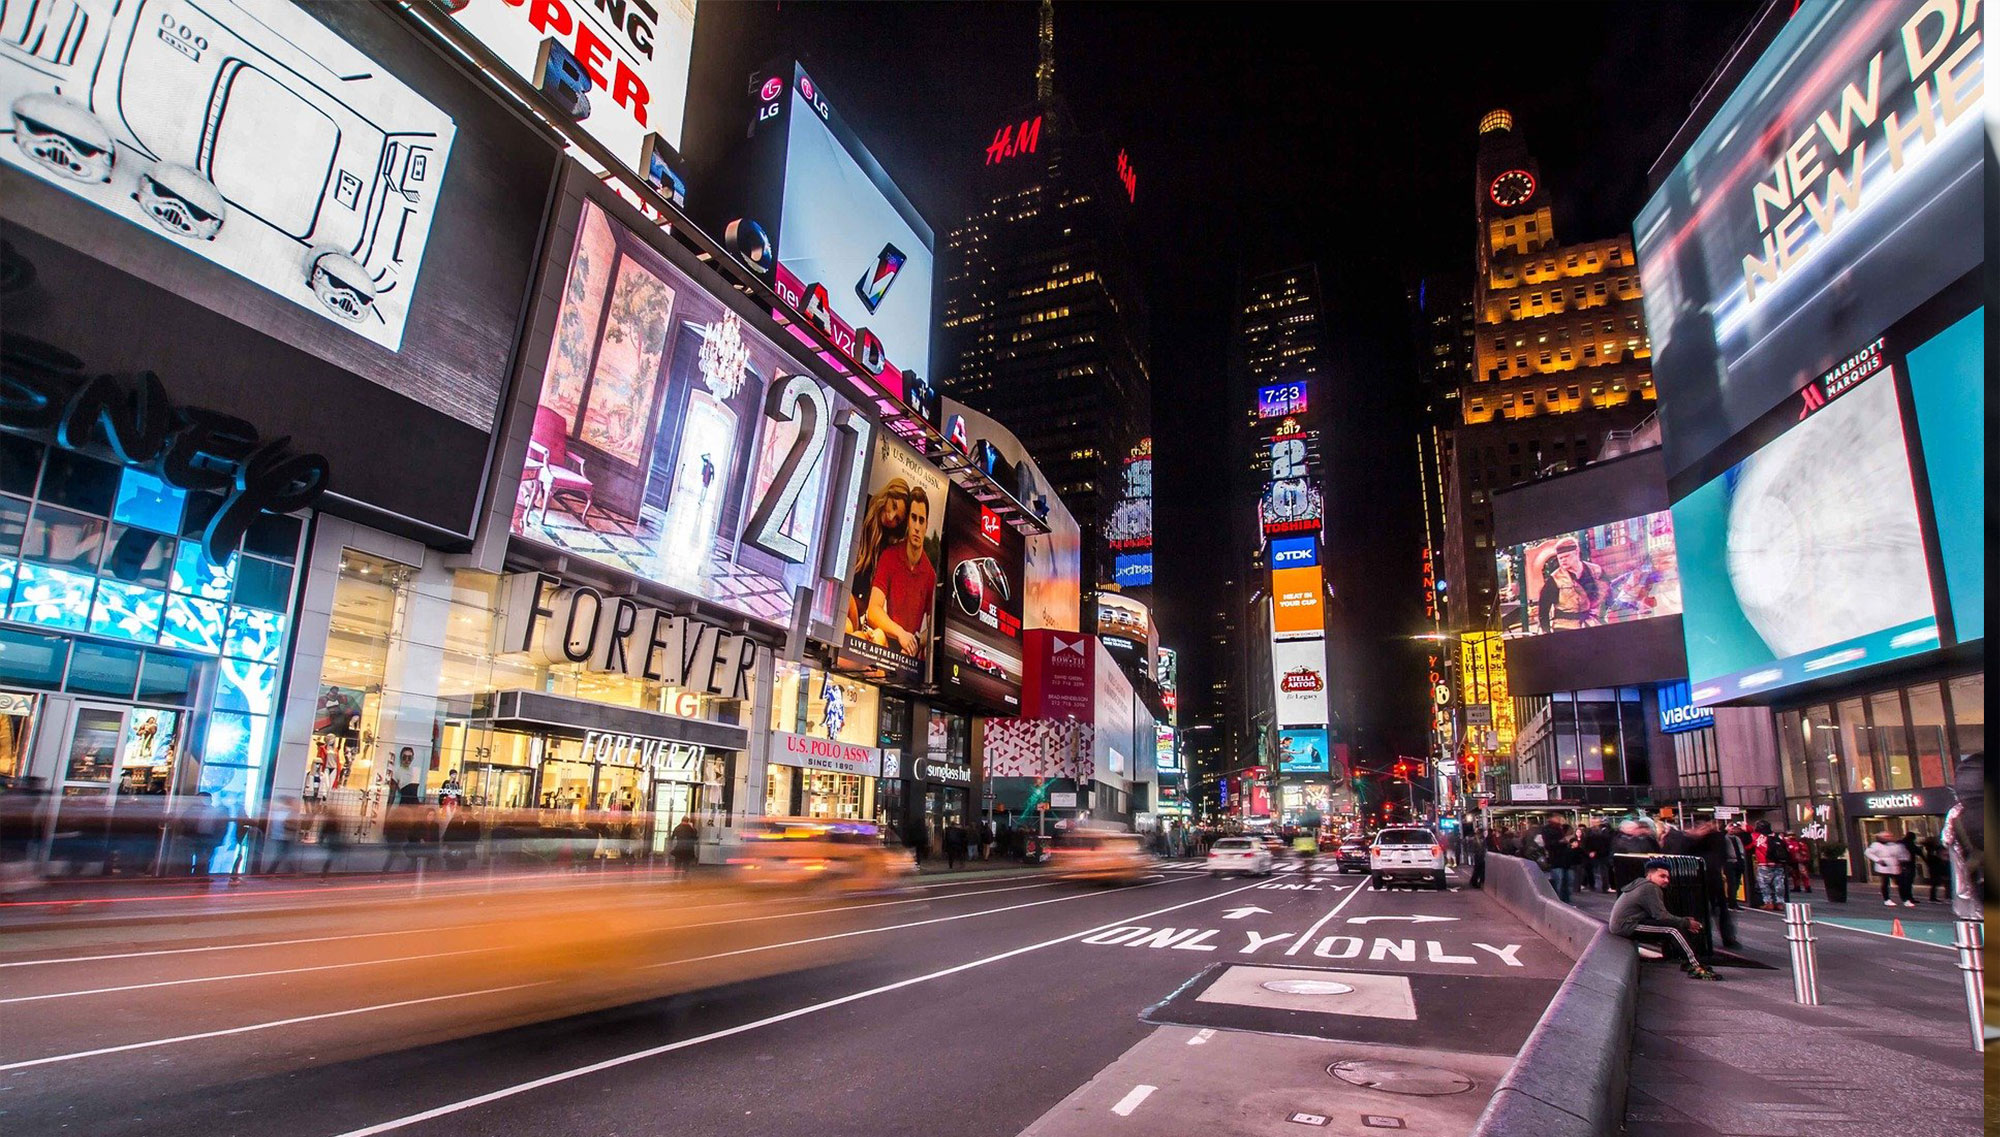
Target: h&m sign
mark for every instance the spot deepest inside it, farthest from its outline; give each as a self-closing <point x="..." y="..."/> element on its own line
<point x="558" y="623"/>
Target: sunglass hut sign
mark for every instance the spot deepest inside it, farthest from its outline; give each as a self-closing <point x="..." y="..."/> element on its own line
<point x="558" y="623"/>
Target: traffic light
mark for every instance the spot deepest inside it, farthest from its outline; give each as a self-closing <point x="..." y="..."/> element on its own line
<point x="1402" y="769"/>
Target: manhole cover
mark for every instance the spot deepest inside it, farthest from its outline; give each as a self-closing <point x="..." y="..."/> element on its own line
<point x="1401" y="1077"/>
<point x="1307" y="987"/>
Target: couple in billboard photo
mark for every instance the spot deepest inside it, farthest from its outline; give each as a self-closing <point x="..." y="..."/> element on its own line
<point x="895" y="576"/>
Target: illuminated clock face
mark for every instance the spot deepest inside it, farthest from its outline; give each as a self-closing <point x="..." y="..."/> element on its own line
<point x="1512" y="188"/>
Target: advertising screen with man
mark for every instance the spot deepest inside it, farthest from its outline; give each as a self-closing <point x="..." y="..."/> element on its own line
<point x="893" y="582"/>
<point x="1606" y="574"/>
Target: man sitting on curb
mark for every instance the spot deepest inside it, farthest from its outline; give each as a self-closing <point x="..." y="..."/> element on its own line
<point x="1641" y="915"/>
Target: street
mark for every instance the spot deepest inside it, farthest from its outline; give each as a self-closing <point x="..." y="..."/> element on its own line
<point x="273" y="1023"/>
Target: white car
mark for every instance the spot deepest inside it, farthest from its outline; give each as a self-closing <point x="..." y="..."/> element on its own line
<point x="1408" y="855"/>
<point x="1244" y="855"/>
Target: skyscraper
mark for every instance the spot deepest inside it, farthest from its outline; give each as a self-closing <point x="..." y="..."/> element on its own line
<point x="1043" y="325"/>
<point x="1560" y="358"/>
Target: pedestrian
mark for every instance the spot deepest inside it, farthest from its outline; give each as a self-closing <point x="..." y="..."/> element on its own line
<point x="1733" y="864"/>
<point x="954" y="844"/>
<point x="1890" y="858"/>
<point x="1801" y="855"/>
<point x="681" y="847"/>
<point x="1707" y="841"/>
<point x="1773" y="860"/>
<point x="332" y="842"/>
<point x="1597" y="856"/>
<point x="412" y="791"/>
<point x="1909" y="843"/>
<point x="281" y="832"/>
<point x="201" y="825"/>
<point x="1479" y="862"/>
<point x="917" y="837"/>
<point x="985" y="838"/>
<point x="1936" y="867"/>
<point x="1640" y="914"/>
<point x="1556" y="852"/>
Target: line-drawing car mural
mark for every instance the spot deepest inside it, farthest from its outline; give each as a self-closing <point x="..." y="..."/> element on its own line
<point x="245" y="130"/>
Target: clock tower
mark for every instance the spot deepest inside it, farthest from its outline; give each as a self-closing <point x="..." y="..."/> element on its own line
<point x="1513" y="208"/>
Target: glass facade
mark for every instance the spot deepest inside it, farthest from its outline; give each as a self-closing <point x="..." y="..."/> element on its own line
<point x="1590" y="737"/>
<point x="107" y="597"/>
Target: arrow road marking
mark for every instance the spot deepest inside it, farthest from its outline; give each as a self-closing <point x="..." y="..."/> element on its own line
<point x="1245" y="911"/>
<point x="1414" y="919"/>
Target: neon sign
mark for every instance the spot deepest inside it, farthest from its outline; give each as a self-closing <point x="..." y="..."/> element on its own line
<point x="1128" y="177"/>
<point x="1013" y="141"/>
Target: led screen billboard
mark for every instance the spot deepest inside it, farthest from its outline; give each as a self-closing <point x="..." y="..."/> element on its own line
<point x="1606" y="574"/>
<point x="1299" y="675"/>
<point x="1053" y="561"/>
<point x="1948" y="387"/>
<point x="979" y="656"/>
<point x="847" y="239"/>
<point x="1294" y="552"/>
<point x="1166" y="758"/>
<point x="244" y="132"/>
<point x="1806" y="558"/>
<point x="1132" y="570"/>
<point x="1291" y="505"/>
<point x="1281" y="399"/>
<point x="1298" y="603"/>
<point x="894" y="580"/>
<point x="1828" y="196"/>
<point x="1304" y="752"/>
<point x="671" y="440"/>
<point x="1123" y="616"/>
<point x="620" y="69"/>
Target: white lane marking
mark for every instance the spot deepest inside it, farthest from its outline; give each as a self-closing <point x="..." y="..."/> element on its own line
<point x="885" y="928"/>
<point x="490" y="923"/>
<point x="1131" y="1101"/>
<point x="785" y="1016"/>
<point x="1201" y="1036"/>
<point x="255" y="1027"/>
<point x="1245" y="911"/>
<point x="243" y="975"/>
<point x="1414" y="919"/>
<point x="1322" y="922"/>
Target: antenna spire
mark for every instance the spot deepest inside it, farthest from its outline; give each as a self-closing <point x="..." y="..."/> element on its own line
<point x="1045" y="69"/>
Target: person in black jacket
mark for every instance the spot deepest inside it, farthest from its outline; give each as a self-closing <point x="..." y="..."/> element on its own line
<point x="1640" y="914"/>
<point x="1597" y="856"/>
<point x="1559" y="854"/>
<point x="1707" y="841"/>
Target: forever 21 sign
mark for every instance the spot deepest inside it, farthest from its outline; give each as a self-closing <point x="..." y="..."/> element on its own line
<point x="560" y="623"/>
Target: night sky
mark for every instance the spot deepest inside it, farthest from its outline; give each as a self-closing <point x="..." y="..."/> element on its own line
<point x="1265" y="136"/>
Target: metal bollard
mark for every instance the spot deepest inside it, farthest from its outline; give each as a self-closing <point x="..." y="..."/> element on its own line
<point x="1805" y="957"/>
<point x="1971" y="943"/>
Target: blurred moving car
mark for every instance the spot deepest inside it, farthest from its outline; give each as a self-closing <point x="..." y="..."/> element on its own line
<point x="1352" y="856"/>
<point x="822" y="853"/>
<point x="1105" y="855"/>
<point x="1406" y="854"/>
<point x="1239" y="855"/>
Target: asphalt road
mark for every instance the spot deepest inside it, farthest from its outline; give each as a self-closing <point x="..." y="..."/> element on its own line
<point x="970" y="1006"/>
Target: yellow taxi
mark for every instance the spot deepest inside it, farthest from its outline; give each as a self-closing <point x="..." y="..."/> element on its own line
<point x="818" y="853"/>
<point x="1107" y="855"/>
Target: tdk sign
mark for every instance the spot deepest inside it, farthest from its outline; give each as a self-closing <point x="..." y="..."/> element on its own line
<point x="1294" y="552"/>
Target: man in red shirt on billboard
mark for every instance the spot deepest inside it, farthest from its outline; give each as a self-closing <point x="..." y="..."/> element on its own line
<point x="899" y="600"/>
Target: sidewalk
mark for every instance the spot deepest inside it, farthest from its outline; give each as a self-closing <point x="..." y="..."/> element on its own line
<point x="1887" y="1051"/>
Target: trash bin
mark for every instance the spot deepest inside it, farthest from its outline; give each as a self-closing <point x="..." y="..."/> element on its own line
<point x="1686" y="891"/>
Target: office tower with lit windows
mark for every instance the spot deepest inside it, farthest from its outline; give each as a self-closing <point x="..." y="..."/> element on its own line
<point x="1043" y="323"/>
<point x="1560" y="359"/>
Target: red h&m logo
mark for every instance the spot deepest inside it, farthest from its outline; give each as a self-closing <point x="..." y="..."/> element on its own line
<point x="1012" y="141"/>
<point x="1128" y="176"/>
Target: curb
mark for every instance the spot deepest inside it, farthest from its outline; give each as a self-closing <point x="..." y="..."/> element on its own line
<point x="1569" y="1079"/>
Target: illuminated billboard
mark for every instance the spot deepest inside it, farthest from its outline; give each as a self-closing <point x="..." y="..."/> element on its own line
<point x="1294" y="552"/>
<point x="893" y="582"/>
<point x="1948" y="387"/>
<point x="1831" y="193"/>
<point x="670" y="439"/>
<point x="1131" y="524"/>
<point x="1281" y="399"/>
<point x="1167" y="759"/>
<point x="1053" y="560"/>
<point x="1304" y="752"/>
<point x="1482" y="672"/>
<point x="1806" y="558"/>
<point x="1298" y="602"/>
<point x="1291" y="505"/>
<point x="1132" y="570"/>
<point x="1606" y="574"/>
<point x="620" y="70"/>
<point x="244" y="132"/>
<point x="1168" y="676"/>
<point x="1299" y="676"/>
<point x="979" y="657"/>
<point x="814" y="214"/>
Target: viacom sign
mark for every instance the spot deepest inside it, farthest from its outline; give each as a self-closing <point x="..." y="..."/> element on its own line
<point x="1294" y="552"/>
<point x="1677" y="709"/>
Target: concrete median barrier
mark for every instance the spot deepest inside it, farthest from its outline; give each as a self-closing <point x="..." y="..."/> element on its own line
<point x="1569" y="1080"/>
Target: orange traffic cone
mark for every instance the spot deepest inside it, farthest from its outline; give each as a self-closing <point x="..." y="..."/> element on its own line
<point x="1896" y="929"/>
